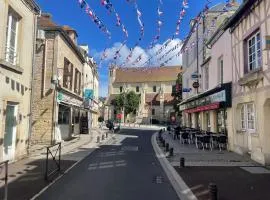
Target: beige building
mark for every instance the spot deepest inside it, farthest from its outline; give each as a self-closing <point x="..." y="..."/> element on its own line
<point x="90" y="83"/>
<point x="17" y="33"/>
<point x="208" y="107"/>
<point x="154" y="86"/>
<point x="250" y="39"/>
<point x="58" y="106"/>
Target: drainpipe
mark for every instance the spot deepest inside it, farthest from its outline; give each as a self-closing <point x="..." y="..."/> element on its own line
<point x="32" y="76"/>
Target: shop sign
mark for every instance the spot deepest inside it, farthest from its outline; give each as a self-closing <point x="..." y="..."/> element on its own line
<point x="218" y="97"/>
<point x="88" y="93"/>
<point x="214" y="98"/>
<point x="59" y="96"/>
<point x="196" y="84"/>
<point x="203" y="108"/>
<point x="71" y="101"/>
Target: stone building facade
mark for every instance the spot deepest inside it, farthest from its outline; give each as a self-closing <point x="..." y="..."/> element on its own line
<point x="208" y="106"/>
<point x="58" y="94"/>
<point x="17" y="45"/>
<point x="250" y="39"/>
<point x="90" y="81"/>
<point x="154" y="84"/>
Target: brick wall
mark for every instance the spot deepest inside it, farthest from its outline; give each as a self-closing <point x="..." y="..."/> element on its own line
<point x="43" y="95"/>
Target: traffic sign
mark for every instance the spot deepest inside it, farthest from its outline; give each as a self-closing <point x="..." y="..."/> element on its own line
<point x="196" y="84"/>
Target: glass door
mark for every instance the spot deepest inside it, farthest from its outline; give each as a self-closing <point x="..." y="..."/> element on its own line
<point x="221" y="121"/>
<point x="10" y="132"/>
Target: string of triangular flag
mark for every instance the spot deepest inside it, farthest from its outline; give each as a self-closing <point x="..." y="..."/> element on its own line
<point x="109" y="6"/>
<point x="159" y="24"/>
<point x="178" y="45"/>
<point x="164" y="46"/>
<point x="89" y="11"/>
<point x="139" y="16"/>
<point x="169" y="59"/>
<point x="156" y="37"/>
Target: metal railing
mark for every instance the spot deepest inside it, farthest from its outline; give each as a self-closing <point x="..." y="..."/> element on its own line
<point x="4" y="164"/>
<point x="11" y="55"/>
<point x="53" y="151"/>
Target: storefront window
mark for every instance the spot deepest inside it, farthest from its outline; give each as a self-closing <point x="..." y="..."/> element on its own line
<point x="189" y="120"/>
<point x="63" y="114"/>
<point x="208" y="121"/>
<point x="221" y="121"/>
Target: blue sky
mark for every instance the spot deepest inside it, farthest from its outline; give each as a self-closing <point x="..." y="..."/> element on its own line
<point x="68" y="12"/>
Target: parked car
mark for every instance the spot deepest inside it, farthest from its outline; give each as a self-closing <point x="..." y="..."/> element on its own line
<point x="110" y="124"/>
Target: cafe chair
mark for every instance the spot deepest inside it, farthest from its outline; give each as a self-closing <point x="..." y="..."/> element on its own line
<point x="184" y="137"/>
<point x="207" y="142"/>
<point x="222" y="142"/>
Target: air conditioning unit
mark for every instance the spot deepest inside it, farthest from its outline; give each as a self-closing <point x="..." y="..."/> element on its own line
<point x="40" y="35"/>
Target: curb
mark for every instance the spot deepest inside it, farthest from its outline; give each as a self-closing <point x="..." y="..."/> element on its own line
<point x="71" y="167"/>
<point x="180" y="187"/>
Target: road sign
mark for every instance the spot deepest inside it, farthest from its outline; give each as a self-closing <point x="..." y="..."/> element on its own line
<point x="186" y="90"/>
<point x="196" y="84"/>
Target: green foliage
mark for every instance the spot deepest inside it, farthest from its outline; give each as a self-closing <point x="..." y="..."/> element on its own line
<point x="130" y="101"/>
<point x="177" y="93"/>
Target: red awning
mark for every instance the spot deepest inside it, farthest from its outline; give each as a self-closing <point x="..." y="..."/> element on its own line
<point x="212" y="106"/>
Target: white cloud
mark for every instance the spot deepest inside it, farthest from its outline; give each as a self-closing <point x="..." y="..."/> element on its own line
<point x="145" y="55"/>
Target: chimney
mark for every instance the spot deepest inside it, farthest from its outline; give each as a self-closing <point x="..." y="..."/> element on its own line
<point x="71" y="33"/>
<point x="47" y="15"/>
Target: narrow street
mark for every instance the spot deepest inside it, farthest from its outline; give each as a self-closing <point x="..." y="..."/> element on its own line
<point x="128" y="169"/>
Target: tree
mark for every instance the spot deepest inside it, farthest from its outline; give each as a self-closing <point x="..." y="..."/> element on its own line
<point x="177" y="93"/>
<point x="128" y="101"/>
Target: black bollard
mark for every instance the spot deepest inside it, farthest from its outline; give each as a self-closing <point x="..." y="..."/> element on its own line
<point x="171" y="151"/>
<point x="98" y="139"/>
<point x="212" y="191"/>
<point x="182" y="162"/>
<point x="167" y="147"/>
<point x="106" y="134"/>
<point x="102" y="137"/>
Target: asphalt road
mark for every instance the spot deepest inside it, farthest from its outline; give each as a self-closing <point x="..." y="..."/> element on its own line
<point x="125" y="170"/>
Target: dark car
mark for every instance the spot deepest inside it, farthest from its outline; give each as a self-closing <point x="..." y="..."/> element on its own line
<point x="110" y="124"/>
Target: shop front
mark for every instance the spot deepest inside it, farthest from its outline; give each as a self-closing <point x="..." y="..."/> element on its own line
<point x="208" y="111"/>
<point x="70" y="110"/>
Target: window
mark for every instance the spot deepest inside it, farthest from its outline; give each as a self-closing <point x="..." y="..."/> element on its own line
<point x="137" y="89"/>
<point x="153" y="111"/>
<point x="247" y="116"/>
<point x="121" y="89"/>
<point x="77" y="83"/>
<point x="220" y="70"/>
<point x="63" y="114"/>
<point x="208" y="121"/>
<point x="154" y="88"/>
<point x="206" y="77"/>
<point x="254" y="51"/>
<point x="12" y="37"/>
<point x="68" y="74"/>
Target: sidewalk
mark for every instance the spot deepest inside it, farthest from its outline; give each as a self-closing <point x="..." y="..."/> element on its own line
<point x="26" y="176"/>
<point x="236" y="176"/>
